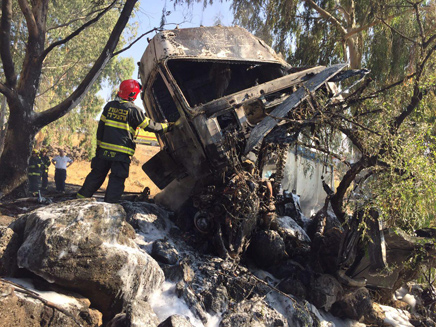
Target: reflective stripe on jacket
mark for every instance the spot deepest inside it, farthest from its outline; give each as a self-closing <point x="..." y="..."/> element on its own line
<point x="34" y="168"/>
<point x="45" y="163"/>
<point x="117" y="126"/>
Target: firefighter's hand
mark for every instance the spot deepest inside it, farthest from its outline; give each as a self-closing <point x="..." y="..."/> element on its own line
<point x="170" y="127"/>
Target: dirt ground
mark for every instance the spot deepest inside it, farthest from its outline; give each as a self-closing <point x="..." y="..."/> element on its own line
<point x="136" y="182"/>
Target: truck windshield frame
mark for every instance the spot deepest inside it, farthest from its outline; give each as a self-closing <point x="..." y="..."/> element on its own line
<point x="203" y="81"/>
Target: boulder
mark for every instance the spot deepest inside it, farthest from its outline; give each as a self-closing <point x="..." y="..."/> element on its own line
<point x="267" y="248"/>
<point x="175" y="321"/>
<point x="216" y="300"/>
<point x="356" y="304"/>
<point x="25" y="308"/>
<point x="142" y="214"/>
<point x="296" y="240"/>
<point x="324" y="291"/>
<point x="297" y="313"/>
<point x="288" y="228"/>
<point x="253" y="313"/>
<point x="9" y="244"/>
<point x="164" y="252"/>
<point x="87" y="246"/>
<point x="138" y="314"/>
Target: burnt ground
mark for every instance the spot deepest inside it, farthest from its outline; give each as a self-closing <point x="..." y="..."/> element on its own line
<point x="19" y="203"/>
<point x="14" y="205"/>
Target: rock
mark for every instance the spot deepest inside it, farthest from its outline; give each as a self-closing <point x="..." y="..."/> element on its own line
<point x="20" y="307"/>
<point x="163" y="252"/>
<point x="324" y="291"/>
<point x="297" y="313"/>
<point x="9" y="244"/>
<point x="138" y="314"/>
<point x="294" y="286"/>
<point x="175" y="321"/>
<point x="183" y="290"/>
<point x="356" y="304"/>
<point x="253" y="313"/>
<point x="87" y="246"/>
<point x="180" y="271"/>
<point x="288" y="268"/>
<point x="267" y="248"/>
<point x="400" y="248"/>
<point x="296" y="240"/>
<point x="216" y="300"/>
<point x="287" y="227"/>
<point x="143" y="215"/>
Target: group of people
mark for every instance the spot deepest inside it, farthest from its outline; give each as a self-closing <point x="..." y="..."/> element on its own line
<point x="115" y="146"/>
<point x="38" y="170"/>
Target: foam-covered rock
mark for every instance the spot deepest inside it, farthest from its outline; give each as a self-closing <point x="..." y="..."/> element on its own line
<point x="87" y="246"/>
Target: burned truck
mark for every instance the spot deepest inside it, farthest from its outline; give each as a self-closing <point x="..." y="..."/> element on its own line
<point x="226" y="92"/>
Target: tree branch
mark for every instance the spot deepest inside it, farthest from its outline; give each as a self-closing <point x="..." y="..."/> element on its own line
<point x="76" y="19"/>
<point x="74" y="99"/>
<point x="5" y="41"/>
<point x="326" y="151"/>
<point x="136" y="40"/>
<point x="76" y="32"/>
<point x="32" y="26"/>
<point x="418" y="20"/>
<point x="398" y="32"/>
<point x="357" y="124"/>
<point x="369" y="25"/>
<point x="7" y="92"/>
<point x="59" y="78"/>
<point x="327" y="16"/>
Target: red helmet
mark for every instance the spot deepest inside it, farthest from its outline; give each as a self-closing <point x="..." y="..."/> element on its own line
<point x="129" y="89"/>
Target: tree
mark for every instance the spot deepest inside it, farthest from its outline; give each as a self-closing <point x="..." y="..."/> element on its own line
<point x="67" y="66"/>
<point x="313" y="32"/>
<point x="391" y="128"/>
<point x="21" y="88"/>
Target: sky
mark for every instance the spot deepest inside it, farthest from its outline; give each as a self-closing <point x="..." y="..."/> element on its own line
<point x="149" y="16"/>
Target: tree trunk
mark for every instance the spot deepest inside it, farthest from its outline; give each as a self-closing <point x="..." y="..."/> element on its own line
<point x="23" y="122"/>
<point x="17" y="149"/>
<point x="3" y="124"/>
<point x="355" y="51"/>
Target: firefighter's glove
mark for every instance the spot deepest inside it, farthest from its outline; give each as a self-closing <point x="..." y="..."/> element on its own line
<point x="169" y="127"/>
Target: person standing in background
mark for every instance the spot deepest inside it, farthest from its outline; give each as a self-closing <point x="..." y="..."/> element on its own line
<point x="34" y="173"/>
<point x="61" y="162"/>
<point x="44" y="168"/>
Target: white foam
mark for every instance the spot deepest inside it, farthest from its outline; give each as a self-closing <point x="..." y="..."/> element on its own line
<point x="59" y="299"/>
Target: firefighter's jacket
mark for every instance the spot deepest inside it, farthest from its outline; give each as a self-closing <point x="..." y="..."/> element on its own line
<point x="35" y="165"/>
<point x="117" y="127"/>
<point x="45" y="160"/>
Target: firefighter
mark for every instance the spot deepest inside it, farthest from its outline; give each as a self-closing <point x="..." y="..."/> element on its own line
<point x="45" y="160"/>
<point x="115" y="145"/>
<point x="34" y="173"/>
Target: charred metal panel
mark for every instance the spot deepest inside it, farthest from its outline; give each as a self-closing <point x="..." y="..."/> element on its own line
<point x="206" y="43"/>
<point x="294" y="100"/>
<point x="162" y="169"/>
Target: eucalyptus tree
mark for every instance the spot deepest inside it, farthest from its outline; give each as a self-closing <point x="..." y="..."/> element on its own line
<point x="390" y="127"/>
<point x="64" y="68"/>
<point x="313" y="32"/>
<point x="24" y="62"/>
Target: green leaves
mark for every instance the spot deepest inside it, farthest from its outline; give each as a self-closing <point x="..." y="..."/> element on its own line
<point x="65" y="67"/>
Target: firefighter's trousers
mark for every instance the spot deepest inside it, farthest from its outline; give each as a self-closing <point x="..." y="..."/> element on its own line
<point x="34" y="184"/>
<point x="44" y="178"/>
<point x="100" y="169"/>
